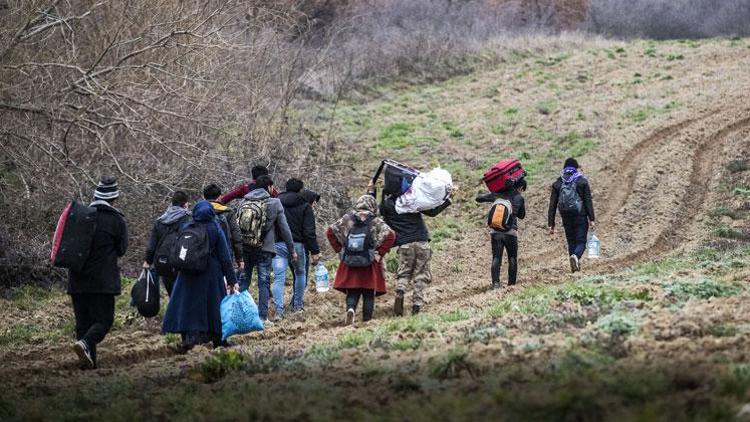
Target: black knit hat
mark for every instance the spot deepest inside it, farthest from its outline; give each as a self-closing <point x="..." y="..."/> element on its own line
<point x="107" y="188"/>
<point x="571" y="162"/>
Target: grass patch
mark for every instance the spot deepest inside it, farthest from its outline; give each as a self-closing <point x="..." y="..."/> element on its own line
<point x="453" y="130"/>
<point x="736" y="382"/>
<point x="406" y="344"/>
<point x="218" y="365"/>
<point x="455" y="316"/>
<point x="19" y="334"/>
<point x="726" y="212"/>
<point x="533" y="300"/>
<point x="738" y="166"/>
<point x="600" y="295"/>
<point x="641" y="114"/>
<point x="355" y="339"/>
<point x="412" y="324"/>
<point x="730" y="233"/>
<point x="29" y="298"/>
<point x="452" y="365"/>
<point x="547" y="107"/>
<point x="396" y="136"/>
<point x="617" y="324"/>
<point x="683" y="290"/>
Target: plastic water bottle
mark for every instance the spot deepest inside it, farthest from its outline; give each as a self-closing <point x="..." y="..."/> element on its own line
<point x="593" y="246"/>
<point x="321" y="278"/>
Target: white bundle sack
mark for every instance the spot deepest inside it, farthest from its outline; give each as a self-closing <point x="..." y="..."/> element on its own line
<point x="428" y="191"/>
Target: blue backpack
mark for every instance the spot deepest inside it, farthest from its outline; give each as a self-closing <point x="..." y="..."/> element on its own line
<point x="570" y="202"/>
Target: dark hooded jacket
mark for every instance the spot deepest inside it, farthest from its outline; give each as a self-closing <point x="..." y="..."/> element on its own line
<point x="301" y="220"/>
<point x="409" y="227"/>
<point x="101" y="273"/>
<point x="584" y="191"/>
<point x="516" y="201"/>
<point x="170" y="221"/>
<point x="196" y="297"/>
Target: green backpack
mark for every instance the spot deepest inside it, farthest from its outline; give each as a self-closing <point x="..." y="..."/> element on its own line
<point x="252" y="218"/>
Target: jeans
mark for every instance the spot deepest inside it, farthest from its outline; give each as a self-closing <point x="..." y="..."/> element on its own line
<point x="262" y="261"/>
<point x="95" y="314"/>
<point x="502" y="241"/>
<point x="576" y="233"/>
<point x="368" y="301"/>
<point x="280" y="264"/>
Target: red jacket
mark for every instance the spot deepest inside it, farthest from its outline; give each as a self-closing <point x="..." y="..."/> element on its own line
<point x="372" y="277"/>
<point x="240" y="191"/>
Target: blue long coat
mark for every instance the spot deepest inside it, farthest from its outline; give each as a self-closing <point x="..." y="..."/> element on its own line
<point x="194" y="304"/>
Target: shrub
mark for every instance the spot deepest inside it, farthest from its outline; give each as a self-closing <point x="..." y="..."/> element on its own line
<point x="218" y="365"/>
<point x="682" y="290"/>
<point x="617" y="324"/>
<point x="452" y="364"/>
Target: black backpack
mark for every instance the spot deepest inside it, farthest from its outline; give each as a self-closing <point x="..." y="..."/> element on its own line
<point x="359" y="248"/>
<point x="145" y="295"/>
<point x="162" y="263"/>
<point x="191" y="250"/>
<point x="570" y="202"/>
<point x="74" y="236"/>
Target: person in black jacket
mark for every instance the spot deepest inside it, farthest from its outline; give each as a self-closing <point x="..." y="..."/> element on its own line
<point x="170" y="222"/>
<point x="94" y="288"/>
<point x="301" y="221"/>
<point x="571" y="194"/>
<point x="414" y="253"/>
<point x="506" y="240"/>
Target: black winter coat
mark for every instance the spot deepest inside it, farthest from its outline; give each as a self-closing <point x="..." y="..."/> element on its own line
<point x="409" y="227"/>
<point x="101" y="273"/>
<point x="158" y="231"/>
<point x="584" y="191"/>
<point x="516" y="201"/>
<point x="301" y="220"/>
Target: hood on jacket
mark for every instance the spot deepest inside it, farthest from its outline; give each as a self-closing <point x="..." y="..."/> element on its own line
<point x="292" y="199"/>
<point x="366" y="204"/>
<point x="106" y="206"/>
<point x="310" y="196"/>
<point x="173" y="214"/>
<point x="219" y="207"/>
<point x="258" y="193"/>
<point x="203" y="211"/>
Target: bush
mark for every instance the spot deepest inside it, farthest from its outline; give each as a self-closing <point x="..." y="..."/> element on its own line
<point x="617" y="324"/>
<point x="218" y="365"/>
<point x="683" y="290"/>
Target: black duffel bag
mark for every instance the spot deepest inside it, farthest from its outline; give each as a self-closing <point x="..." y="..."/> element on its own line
<point x="145" y="295"/>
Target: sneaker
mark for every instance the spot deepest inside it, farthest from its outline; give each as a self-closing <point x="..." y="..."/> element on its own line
<point x="349" y="317"/>
<point x="267" y="322"/>
<point x="398" y="306"/>
<point x="415" y="309"/>
<point x="579" y="261"/>
<point x="277" y="318"/>
<point x="496" y="286"/>
<point x="84" y="354"/>
<point x="574" y="266"/>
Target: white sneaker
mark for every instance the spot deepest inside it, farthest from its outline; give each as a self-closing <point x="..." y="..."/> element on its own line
<point x="267" y="322"/>
<point x="84" y="354"/>
<point x="574" y="265"/>
<point x="349" y="317"/>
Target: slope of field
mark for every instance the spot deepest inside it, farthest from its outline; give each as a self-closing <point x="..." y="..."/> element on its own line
<point x="662" y="131"/>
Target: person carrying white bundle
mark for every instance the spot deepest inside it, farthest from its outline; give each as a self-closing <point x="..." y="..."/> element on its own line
<point x="428" y="191"/>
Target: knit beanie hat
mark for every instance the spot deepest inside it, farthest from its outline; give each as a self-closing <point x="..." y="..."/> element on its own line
<point x="571" y="162"/>
<point x="107" y="188"/>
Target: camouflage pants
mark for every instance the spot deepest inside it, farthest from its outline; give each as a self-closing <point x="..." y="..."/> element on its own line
<point x="414" y="268"/>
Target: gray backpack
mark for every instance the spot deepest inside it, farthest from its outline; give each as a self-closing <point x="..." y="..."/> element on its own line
<point x="570" y="202"/>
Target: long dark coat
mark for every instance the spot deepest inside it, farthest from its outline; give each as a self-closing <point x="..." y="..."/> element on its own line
<point x="101" y="273"/>
<point x="195" y="301"/>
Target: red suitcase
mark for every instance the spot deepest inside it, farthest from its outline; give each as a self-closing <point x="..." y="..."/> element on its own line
<point x="503" y="175"/>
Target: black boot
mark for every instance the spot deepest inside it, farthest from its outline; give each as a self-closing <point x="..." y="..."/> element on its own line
<point x="398" y="306"/>
<point x="415" y="309"/>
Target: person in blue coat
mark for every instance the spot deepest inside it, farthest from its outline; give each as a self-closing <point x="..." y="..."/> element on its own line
<point x="193" y="309"/>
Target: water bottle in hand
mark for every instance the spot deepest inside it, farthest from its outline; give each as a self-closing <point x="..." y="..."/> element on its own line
<point x="321" y="278"/>
<point x="593" y="246"/>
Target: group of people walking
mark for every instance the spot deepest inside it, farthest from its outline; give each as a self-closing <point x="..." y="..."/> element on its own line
<point x="268" y="232"/>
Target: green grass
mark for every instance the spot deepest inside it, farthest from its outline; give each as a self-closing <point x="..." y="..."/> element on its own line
<point x="452" y="364"/>
<point x="455" y="316"/>
<point x="420" y="323"/>
<point x="219" y="364"/>
<point x="532" y="300"/>
<point x="730" y="233"/>
<point x="406" y="344"/>
<point x="706" y="288"/>
<point x="30" y="298"/>
<point x="738" y="166"/>
<point x="618" y="324"/>
<point x="453" y="130"/>
<point x="641" y="114"/>
<point x="396" y="136"/>
<point x="19" y="334"/>
<point x="725" y="211"/>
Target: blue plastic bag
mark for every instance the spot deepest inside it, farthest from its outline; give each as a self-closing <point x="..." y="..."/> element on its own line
<point x="239" y="315"/>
